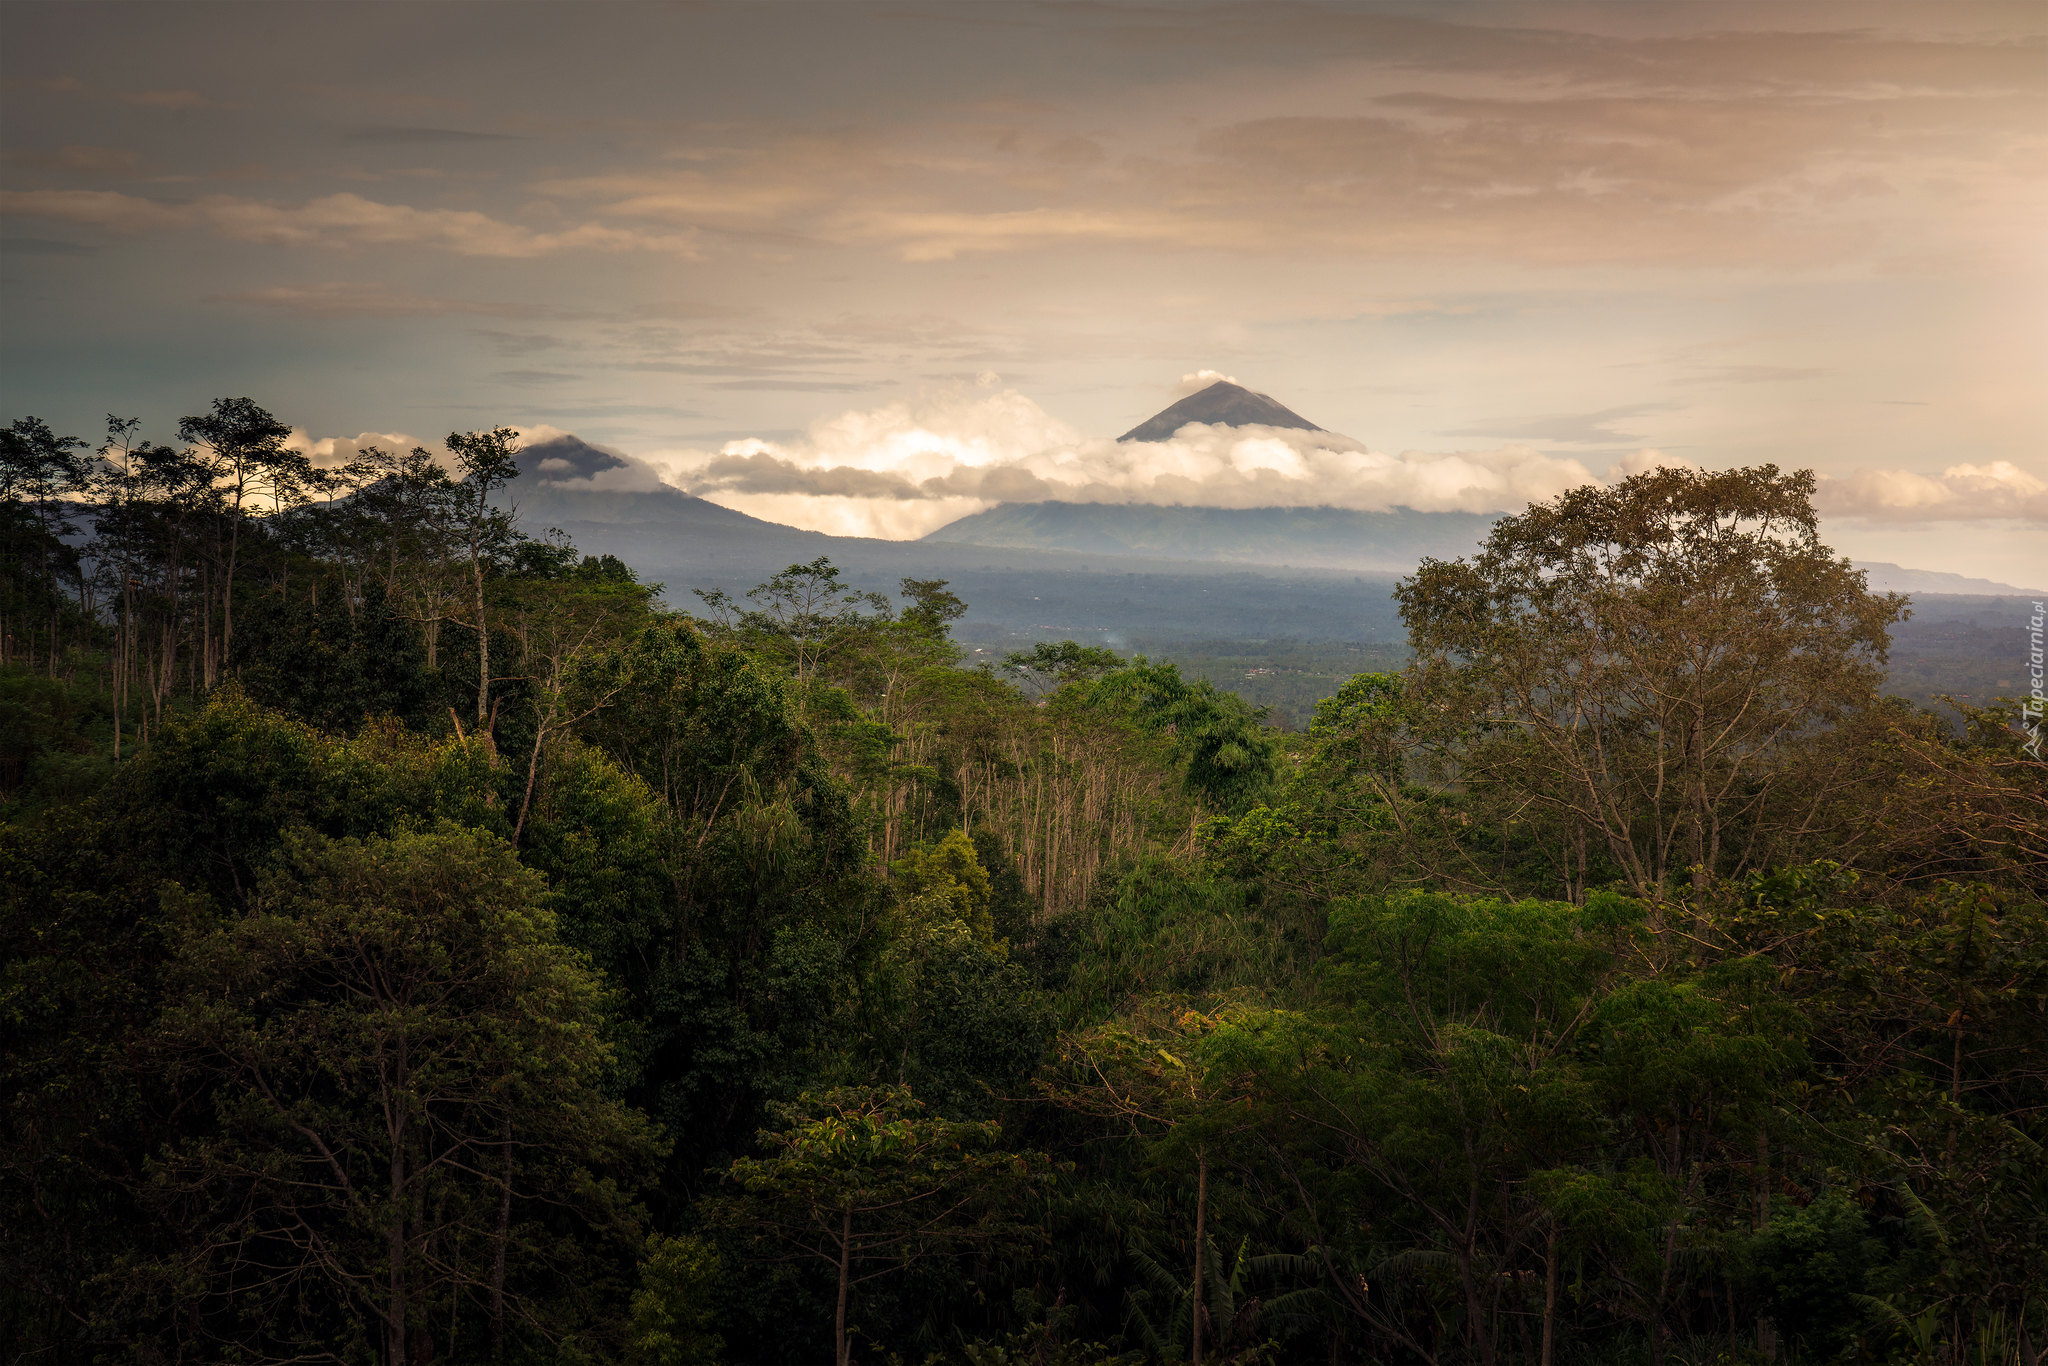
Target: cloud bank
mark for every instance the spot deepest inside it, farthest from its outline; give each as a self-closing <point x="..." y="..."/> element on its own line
<point x="909" y="467"/>
<point x="1997" y="490"/>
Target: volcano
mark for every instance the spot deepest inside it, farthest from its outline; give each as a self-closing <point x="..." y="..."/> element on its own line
<point x="1222" y="404"/>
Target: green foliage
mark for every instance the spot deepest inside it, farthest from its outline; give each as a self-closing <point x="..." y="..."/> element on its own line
<point x="47" y="733"/>
<point x="933" y="607"/>
<point x="676" y="1304"/>
<point x="1171" y="928"/>
<point x="1227" y="757"/>
<point x="949" y="878"/>
<point x="391" y="1043"/>
<point x="336" y="663"/>
<point x="1050" y="664"/>
<point x="1813" y="1268"/>
<point x="1657" y="668"/>
<point x="38" y="469"/>
<point x="867" y="1183"/>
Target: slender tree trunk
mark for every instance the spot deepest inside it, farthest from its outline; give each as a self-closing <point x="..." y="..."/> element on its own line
<point x="1549" y="1293"/>
<point x="1955" y="1025"/>
<point x="1766" y="1327"/>
<point x="1657" y="1334"/>
<point x="1475" y="1311"/>
<point x="395" y="1245"/>
<point x="841" y="1355"/>
<point x="1201" y="1242"/>
<point x="483" y="649"/>
<point x="501" y="1237"/>
<point x="532" y="767"/>
<point x="227" y="591"/>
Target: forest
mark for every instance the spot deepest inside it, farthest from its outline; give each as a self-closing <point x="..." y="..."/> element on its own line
<point x="423" y="942"/>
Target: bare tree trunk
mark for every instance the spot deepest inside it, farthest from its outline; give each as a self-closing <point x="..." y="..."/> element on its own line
<point x="483" y="652"/>
<point x="1766" y="1327"/>
<point x="1201" y="1242"/>
<point x="1475" y="1313"/>
<point x="395" y="1245"/>
<point x="1657" y="1334"/>
<point x="1549" y="1293"/>
<point x="227" y="591"/>
<point x="532" y="767"/>
<point x="841" y="1354"/>
<point x="501" y="1237"/>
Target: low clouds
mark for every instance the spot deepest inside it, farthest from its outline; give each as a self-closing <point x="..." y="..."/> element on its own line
<point x="1998" y="490"/>
<point x="1200" y="380"/>
<point x="335" y="220"/>
<point x="550" y="460"/>
<point x="328" y="452"/>
<point x="909" y="467"/>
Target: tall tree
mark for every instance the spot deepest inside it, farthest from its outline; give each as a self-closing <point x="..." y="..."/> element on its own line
<point x="487" y="461"/>
<point x="1175" y="1077"/>
<point x="869" y="1183"/>
<point x="807" y="611"/>
<point x="246" y="456"/>
<point x="38" y="470"/>
<point x="1652" y="664"/>
<point x="399" y="1056"/>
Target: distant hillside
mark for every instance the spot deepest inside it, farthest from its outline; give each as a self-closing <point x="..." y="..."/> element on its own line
<point x="565" y="479"/>
<point x="1892" y="578"/>
<point x="1015" y="592"/>
<point x="1222" y="404"/>
<point x="1328" y="538"/>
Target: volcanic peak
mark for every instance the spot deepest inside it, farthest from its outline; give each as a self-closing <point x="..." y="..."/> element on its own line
<point x="1222" y="404"/>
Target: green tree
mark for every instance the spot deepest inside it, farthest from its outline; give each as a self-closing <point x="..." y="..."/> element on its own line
<point x="38" y="471"/>
<point x="408" y="1078"/>
<point x="1691" y="1069"/>
<point x="1654" y="667"/>
<point x="673" y="1309"/>
<point x="807" y="612"/>
<point x="950" y="874"/>
<point x="868" y="1183"/>
<point x="933" y="607"/>
<point x="1177" y="1078"/>
<point x="1436" y="1080"/>
<point x="246" y="458"/>
<point x="1218" y="738"/>
<point x="1049" y="664"/>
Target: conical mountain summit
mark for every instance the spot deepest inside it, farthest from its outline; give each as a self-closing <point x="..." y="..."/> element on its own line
<point x="1222" y="404"/>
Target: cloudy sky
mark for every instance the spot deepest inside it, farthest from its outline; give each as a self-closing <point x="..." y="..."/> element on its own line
<point x="870" y="267"/>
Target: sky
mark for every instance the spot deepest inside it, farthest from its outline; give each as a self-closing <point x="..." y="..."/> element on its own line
<point x="870" y="267"/>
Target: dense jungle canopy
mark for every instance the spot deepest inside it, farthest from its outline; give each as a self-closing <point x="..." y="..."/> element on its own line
<point x="421" y="942"/>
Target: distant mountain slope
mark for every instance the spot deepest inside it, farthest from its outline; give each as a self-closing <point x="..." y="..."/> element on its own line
<point x="1330" y="538"/>
<point x="1305" y="538"/>
<point x="566" y="479"/>
<point x="1222" y="404"/>
<point x="1892" y="578"/>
